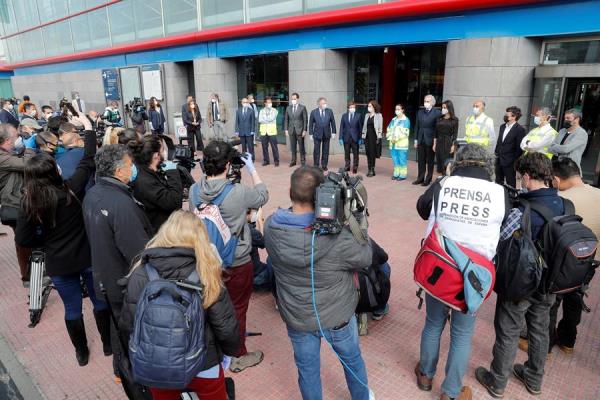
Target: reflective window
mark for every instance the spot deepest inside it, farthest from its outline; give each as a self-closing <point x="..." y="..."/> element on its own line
<point x="148" y="18"/>
<point x="222" y="12"/>
<point x="90" y="30"/>
<point x="318" y="5"/>
<point x="8" y="17"/>
<point x="26" y="14"/>
<point x="32" y="45"/>
<point x="180" y="16"/>
<point x="546" y="93"/>
<point x="14" y="49"/>
<point x="121" y="22"/>
<point x="57" y="38"/>
<point x="80" y="5"/>
<point x="580" y="52"/>
<point x="51" y="9"/>
<point x="265" y="9"/>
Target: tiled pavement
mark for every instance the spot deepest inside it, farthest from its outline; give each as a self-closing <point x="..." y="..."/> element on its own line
<point x="390" y="349"/>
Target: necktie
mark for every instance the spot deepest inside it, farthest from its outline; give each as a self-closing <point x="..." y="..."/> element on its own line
<point x="79" y="105"/>
<point x="322" y="113"/>
<point x="350" y="117"/>
<point x="294" y="109"/>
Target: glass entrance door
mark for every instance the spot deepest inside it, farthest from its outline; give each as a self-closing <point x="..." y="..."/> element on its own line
<point x="584" y="95"/>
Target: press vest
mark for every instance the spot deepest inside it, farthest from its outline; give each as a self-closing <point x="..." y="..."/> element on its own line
<point x="470" y="212"/>
<point x="477" y="131"/>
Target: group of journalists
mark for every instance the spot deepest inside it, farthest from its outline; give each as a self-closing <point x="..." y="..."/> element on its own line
<point x="110" y="219"/>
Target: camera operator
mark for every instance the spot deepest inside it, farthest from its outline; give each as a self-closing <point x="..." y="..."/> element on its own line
<point x="137" y="113"/>
<point x="218" y="159"/>
<point x="75" y="150"/>
<point x="158" y="185"/>
<point x="337" y="258"/>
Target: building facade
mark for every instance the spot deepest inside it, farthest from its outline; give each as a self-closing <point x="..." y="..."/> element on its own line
<point x="526" y="53"/>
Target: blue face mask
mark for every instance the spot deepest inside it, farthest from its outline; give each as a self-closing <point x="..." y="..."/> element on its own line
<point x="59" y="149"/>
<point x="133" y="174"/>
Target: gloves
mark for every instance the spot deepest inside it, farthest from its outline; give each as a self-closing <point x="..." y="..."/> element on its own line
<point x="30" y="143"/>
<point x="361" y="142"/>
<point x="169" y="165"/>
<point x="247" y="159"/>
<point x="341" y="141"/>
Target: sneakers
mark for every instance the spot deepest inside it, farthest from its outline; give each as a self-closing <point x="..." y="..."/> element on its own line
<point x="487" y="381"/>
<point x="363" y="321"/>
<point x="423" y="382"/>
<point x="519" y="373"/>
<point x="378" y="315"/>
<point x="465" y="394"/>
<point x="251" y="359"/>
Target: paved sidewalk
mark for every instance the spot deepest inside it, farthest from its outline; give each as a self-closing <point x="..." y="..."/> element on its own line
<point x="390" y="350"/>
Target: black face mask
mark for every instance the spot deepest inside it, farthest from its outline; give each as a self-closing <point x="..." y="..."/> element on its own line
<point x="505" y="119"/>
<point x="566" y="124"/>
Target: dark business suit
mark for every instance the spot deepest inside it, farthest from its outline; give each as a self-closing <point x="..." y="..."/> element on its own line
<point x="245" y="125"/>
<point x="7" y="117"/>
<point x="194" y="133"/>
<point x="295" y="122"/>
<point x="425" y="132"/>
<point x="321" y="126"/>
<point x="350" y="133"/>
<point x="507" y="152"/>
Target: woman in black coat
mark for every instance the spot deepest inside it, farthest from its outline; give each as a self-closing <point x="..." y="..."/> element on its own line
<point x="446" y="131"/>
<point x="192" y="120"/>
<point x="158" y="184"/>
<point x="180" y="246"/>
<point x="51" y="218"/>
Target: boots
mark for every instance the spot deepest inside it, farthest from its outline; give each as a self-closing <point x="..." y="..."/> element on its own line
<point x="76" y="330"/>
<point x="370" y="173"/>
<point x="103" y="324"/>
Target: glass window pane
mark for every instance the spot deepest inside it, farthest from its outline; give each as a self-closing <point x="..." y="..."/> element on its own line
<point x="80" y="5"/>
<point x="26" y="14"/>
<point x="31" y="44"/>
<point x="222" y="12"/>
<point x="57" y="38"/>
<point x="546" y="93"/>
<point x="14" y="49"/>
<point x="318" y="5"/>
<point x="8" y="17"/>
<point x="148" y="18"/>
<point x="580" y="52"/>
<point x="121" y="22"/>
<point x="90" y="30"/>
<point x="51" y="9"/>
<point x="265" y="9"/>
<point x="180" y="16"/>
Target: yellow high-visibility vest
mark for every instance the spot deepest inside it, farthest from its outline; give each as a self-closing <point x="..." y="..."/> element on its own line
<point x="397" y="137"/>
<point x="477" y="132"/>
<point x="536" y="135"/>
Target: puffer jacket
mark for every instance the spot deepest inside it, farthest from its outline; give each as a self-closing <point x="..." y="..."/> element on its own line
<point x="221" y="333"/>
<point x="11" y="176"/>
<point x="336" y="259"/>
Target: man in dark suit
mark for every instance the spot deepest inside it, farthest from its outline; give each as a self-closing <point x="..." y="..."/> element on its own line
<point x="245" y="123"/>
<point x="294" y="124"/>
<point x="508" y="147"/>
<point x="7" y="114"/>
<point x="321" y="127"/>
<point x="426" y="121"/>
<point x="350" y="134"/>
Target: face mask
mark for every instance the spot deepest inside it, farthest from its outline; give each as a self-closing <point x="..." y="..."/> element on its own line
<point x="48" y="116"/>
<point x="253" y="216"/>
<point x="10" y="107"/>
<point x="245" y="105"/>
<point x="506" y="119"/>
<point x="59" y="149"/>
<point x="444" y="111"/>
<point x="537" y="120"/>
<point x="567" y="124"/>
<point x="19" y="144"/>
<point x="294" y="102"/>
<point x="399" y="112"/>
<point x="268" y="105"/>
<point x="476" y="111"/>
<point x="427" y="105"/>
<point x="213" y="100"/>
<point x="370" y="109"/>
<point x="77" y="97"/>
<point x="133" y="176"/>
<point x="32" y="113"/>
<point x="325" y="106"/>
<point x="352" y="110"/>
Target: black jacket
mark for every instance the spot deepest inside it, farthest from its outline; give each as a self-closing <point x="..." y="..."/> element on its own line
<point x="118" y="231"/>
<point x="160" y="192"/>
<point x="425" y="126"/>
<point x="221" y="330"/>
<point x="509" y="150"/>
<point x="380" y="257"/>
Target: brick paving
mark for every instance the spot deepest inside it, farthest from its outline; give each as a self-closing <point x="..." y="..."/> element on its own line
<point x="390" y="349"/>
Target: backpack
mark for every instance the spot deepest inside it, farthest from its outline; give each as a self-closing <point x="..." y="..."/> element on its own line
<point x="167" y="348"/>
<point x="568" y="247"/>
<point x="374" y="289"/>
<point x="519" y="263"/>
<point x="453" y="274"/>
<point x="218" y="231"/>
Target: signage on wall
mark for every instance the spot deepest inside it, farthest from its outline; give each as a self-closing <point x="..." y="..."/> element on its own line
<point x="152" y="81"/>
<point x="110" y="80"/>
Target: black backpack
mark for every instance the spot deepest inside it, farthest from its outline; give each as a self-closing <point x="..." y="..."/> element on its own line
<point x="374" y="289"/>
<point x="518" y="261"/>
<point x="568" y="247"/>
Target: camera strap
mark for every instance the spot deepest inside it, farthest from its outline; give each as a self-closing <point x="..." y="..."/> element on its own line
<point x="358" y="228"/>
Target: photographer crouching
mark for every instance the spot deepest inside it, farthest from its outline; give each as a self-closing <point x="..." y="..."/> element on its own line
<point x="316" y="292"/>
<point x="220" y="186"/>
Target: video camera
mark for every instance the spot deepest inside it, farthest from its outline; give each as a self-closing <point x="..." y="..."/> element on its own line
<point x="235" y="172"/>
<point x="341" y="201"/>
<point x="135" y="105"/>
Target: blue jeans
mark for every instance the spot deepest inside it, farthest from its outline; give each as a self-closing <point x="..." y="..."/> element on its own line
<point x="307" y="354"/>
<point x="461" y="333"/>
<point x="69" y="290"/>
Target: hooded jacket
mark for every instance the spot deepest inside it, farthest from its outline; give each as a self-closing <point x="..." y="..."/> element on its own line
<point x="233" y="209"/>
<point x="336" y="260"/>
<point x="221" y="330"/>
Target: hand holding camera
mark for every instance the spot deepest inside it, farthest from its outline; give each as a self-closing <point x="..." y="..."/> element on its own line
<point x="247" y="159"/>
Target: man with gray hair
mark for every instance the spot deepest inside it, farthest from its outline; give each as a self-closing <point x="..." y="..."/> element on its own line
<point x="427" y="118"/>
<point x="217" y="117"/>
<point x="572" y="138"/>
<point x="117" y="229"/>
<point x="539" y="139"/>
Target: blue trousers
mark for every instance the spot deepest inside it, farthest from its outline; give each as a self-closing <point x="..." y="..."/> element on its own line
<point x="307" y="354"/>
<point x="387" y="270"/>
<point x="400" y="160"/>
<point x="461" y="333"/>
<point x="69" y="290"/>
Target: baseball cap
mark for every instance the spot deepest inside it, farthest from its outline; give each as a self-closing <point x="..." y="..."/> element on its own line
<point x="31" y="123"/>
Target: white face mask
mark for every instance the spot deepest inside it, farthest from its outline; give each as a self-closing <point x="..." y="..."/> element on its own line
<point x="399" y="112"/>
<point x="476" y="111"/>
<point x="444" y="111"/>
<point x="294" y="102"/>
<point x="537" y="120"/>
<point x="19" y="143"/>
<point x="352" y="110"/>
<point x="268" y="105"/>
<point x="371" y="109"/>
<point x="427" y="105"/>
<point x="32" y="113"/>
<point x="213" y="100"/>
<point x="324" y="106"/>
<point x="254" y="216"/>
<point x="10" y="107"/>
<point x="76" y="97"/>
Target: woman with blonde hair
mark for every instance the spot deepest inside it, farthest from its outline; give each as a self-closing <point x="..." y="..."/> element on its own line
<point x="181" y="245"/>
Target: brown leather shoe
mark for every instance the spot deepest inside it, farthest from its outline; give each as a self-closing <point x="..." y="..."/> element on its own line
<point x="465" y="394"/>
<point x="423" y="382"/>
